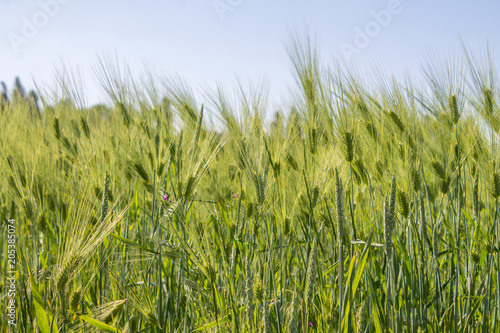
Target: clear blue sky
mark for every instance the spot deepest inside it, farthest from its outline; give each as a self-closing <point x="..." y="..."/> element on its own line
<point x="206" y="41"/>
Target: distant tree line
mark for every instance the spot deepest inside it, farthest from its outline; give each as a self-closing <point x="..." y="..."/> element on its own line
<point x="18" y="96"/>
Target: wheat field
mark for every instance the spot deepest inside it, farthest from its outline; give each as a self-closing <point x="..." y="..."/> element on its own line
<point x="365" y="204"/>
